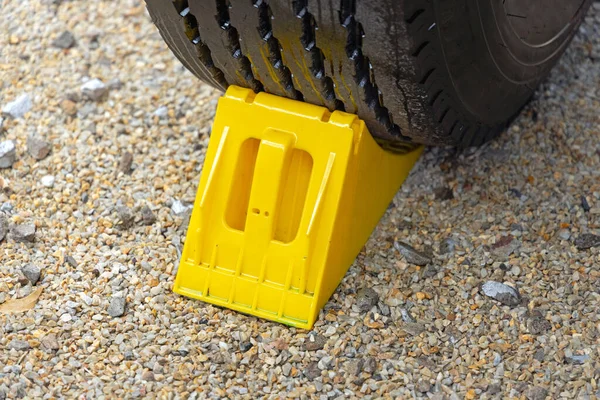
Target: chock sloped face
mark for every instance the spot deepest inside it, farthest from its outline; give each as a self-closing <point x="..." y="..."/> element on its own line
<point x="271" y="191"/>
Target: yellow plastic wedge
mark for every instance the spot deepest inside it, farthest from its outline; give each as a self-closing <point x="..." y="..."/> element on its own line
<point x="289" y="194"/>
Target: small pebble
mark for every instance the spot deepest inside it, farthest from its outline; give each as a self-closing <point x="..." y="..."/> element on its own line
<point x="411" y="255"/>
<point x="19" y="345"/>
<point x="370" y="365"/>
<point x="23" y="233"/>
<point x="443" y="193"/>
<point x="407" y="316"/>
<point x="537" y="324"/>
<point x="314" y="342"/>
<point x="505" y="294"/>
<point x="564" y="234"/>
<point x="32" y="273"/>
<point x="423" y="386"/>
<point x="325" y="362"/>
<point x="447" y="246"/>
<point x="587" y="241"/>
<point x="125" y="216"/>
<point x="148" y="376"/>
<point x="8" y="154"/>
<point x="47" y="180"/>
<point x="114" y="84"/>
<point x="69" y="107"/>
<point x="366" y="299"/>
<point x="161" y="112"/>
<point x="19" y="107"/>
<point x="536" y="393"/>
<point x="37" y="147"/>
<point x="180" y="208"/>
<point x="3" y="226"/>
<point x="94" y="89"/>
<point x="125" y="162"/>
<point x="65" y="40"/>
<point x="148" y="217"/>
<point x="312" y="371"/>
<point x="245" y="346"/>
<point x="584" y="204"/>
<point x="71" y="261"/>
<point x="50" y="342"/>
<point x="429" y="271"/>
<point x="116" y="308"/>
<point x="577" y="359"/>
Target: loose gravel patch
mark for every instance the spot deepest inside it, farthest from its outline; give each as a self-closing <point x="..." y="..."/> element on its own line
<point x="128" y="128"/>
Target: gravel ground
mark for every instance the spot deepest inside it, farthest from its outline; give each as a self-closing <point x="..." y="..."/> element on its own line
<point x="95" y="197"/>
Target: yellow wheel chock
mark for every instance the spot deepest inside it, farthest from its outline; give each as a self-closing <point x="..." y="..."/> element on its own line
<point x="289" y="194"/>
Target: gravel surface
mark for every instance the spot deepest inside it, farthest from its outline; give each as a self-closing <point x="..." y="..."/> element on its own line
<point x="126" y="128"/>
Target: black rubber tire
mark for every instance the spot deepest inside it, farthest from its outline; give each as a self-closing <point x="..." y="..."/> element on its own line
<point x="438" y="72"/>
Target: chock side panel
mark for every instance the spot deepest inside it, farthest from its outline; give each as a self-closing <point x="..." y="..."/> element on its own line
<point x="288" y="195"/>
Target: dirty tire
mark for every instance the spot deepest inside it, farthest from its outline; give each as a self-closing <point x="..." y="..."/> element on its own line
<point x="451" y="72"/>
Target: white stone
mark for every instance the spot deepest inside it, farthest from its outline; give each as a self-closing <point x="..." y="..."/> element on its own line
<point x="18" y="107"/>
<point x="47" y="180"/>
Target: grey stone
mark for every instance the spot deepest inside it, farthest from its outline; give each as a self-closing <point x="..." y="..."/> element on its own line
<point x="286" y="369"/>
<point x="32" y="273"/>
<point x="37" y="147"/>
<point x="312" y="370"/>
<point x="148" y="376"/>
<point x="325" y="362"/>
<point x="539" y="355"/>
<point x="65" y="40"/>
<point x="366" y="298"/>
<point x="413" y="328"/>
<point x="576" y="359"/>
<point x="584" y="204"/>
<point x="504" y="247"/>
<point x="116" y="308"/>
<point x="443" y="193"/>
<point x="148" y="217"/>
<point x="19" y="107"/>
<point x="314" y="342"/>
<point x="23" y="233"/>
<point x="125" y="216"/>
<point x="245" y="346"/>
<point x="50" y="342"/>
<point x="370" y="365"/>
<point x="94" y="89"/>
<point x="587" y="241"/>
<point x="429" y="271"/>
<point x="407" y="316"/>
<point x="3" y="226"/>
<point x="536" y="393"/>
<point x="17" y="344"/>
<point x="8" y="153"/>
<point x="564" y="234"/>
<point x="505" y="294"/>
<point x="411" y="255"/>
<point x="494" y="388"/>
<point x="71" y="261"/>
<point x="423" y="386"/>
<point x="125" y="162"/>
<point x="114" y="84"/>
<point x="536" y="323"/>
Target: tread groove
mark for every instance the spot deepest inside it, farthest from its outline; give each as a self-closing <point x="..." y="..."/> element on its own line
<point x="233" y="43"/>
<point x="364" y="74"/>
<point x="316" y="55"/>
<point x="192" y="33"/>
<point x="274" y="49"/>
